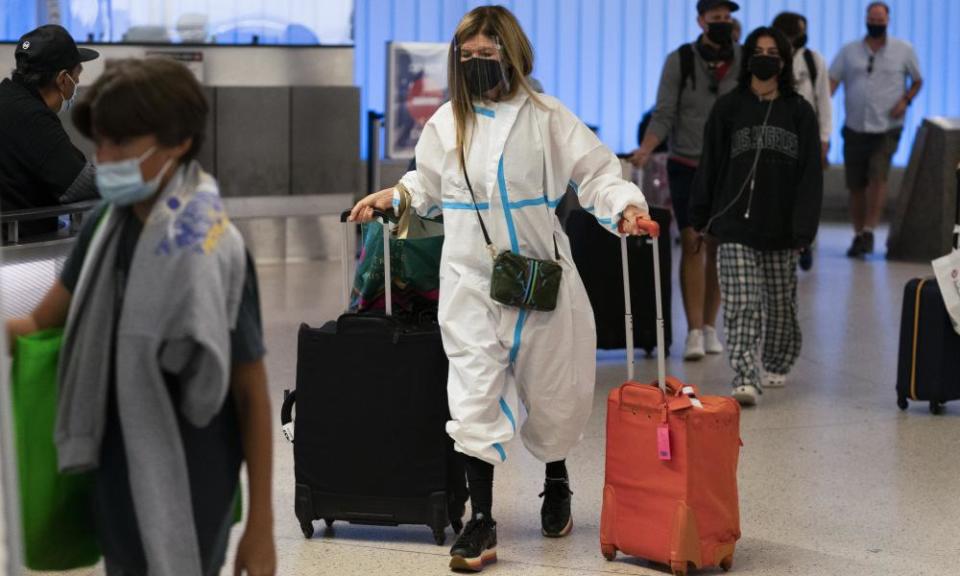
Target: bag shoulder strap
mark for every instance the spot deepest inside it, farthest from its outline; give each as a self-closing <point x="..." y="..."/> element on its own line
<point x="811" y="67"/>
<point x="956" y="219"/>
<point x="687" y="64"/>
<point x="812" y="71"/>
<point x="483" y="226"/>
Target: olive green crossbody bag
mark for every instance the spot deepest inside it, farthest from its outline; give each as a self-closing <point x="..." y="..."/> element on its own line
<point x="518" y="280"/>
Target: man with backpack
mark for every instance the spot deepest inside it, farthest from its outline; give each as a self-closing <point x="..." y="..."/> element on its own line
<point x="693" y="77"/>
<point x="812" y="80"/>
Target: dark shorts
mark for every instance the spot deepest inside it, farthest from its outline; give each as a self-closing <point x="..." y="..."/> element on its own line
<point x="680" y="177"/>
<point x="867" y="157"/>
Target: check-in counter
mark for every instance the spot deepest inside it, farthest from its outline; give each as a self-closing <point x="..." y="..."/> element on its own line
<point x="284" y="121"/>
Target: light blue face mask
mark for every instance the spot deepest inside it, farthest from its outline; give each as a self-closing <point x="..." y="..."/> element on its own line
<point x="121" y="183"/>
<point x="68" y="102"/>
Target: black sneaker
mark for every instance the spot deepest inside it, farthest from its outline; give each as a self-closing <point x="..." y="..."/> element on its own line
<point x="555" y="518"/>
<point x="806" y="259"/>
<point x="856" y="248"/>
<point x="867" y="242"/>
<point x="477" y="545"/>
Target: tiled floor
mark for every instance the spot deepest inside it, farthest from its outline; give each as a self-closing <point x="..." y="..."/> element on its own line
<point x="833" y="478"/>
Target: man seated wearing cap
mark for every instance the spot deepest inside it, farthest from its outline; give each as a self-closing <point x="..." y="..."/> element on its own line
<point x="39" y="166"/>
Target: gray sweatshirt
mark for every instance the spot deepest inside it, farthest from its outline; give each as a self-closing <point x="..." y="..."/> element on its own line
<point x="182" y="299"/>
<point x="684" y="126"/>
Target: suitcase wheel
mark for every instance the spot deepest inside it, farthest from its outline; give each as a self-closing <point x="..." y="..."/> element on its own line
<point x="328" y="522"/>
<point x="609" y="552"/>
<point x="902" y="403"/>
<point x="936" y="408"/>
<point x="678" y="568"/>
<point x="440" y="536"/>
<point x="307" y="528"/>
<point x="727" y="563"/>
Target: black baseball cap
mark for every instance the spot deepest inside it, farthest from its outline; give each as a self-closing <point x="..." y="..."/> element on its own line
<point x="705" y="5"/>
<point x="50" y="48"/>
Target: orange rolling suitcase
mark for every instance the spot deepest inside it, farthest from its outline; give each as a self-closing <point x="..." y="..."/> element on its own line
<point x="670" y="494"/>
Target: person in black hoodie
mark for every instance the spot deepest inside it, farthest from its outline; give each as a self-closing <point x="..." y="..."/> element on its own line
<point x="757" y="192"/>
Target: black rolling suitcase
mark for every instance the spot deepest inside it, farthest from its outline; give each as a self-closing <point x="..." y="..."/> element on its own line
<point x="929" y="363"/>
<point x="369" y="439"/>
<point x="596" y="254"/>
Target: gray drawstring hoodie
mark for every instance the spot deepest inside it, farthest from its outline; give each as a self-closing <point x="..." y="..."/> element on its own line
<point x="182" y="299"/>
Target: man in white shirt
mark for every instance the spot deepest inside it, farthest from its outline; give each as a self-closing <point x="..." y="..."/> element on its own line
<point x="875" y="72"/>
<point x="813" y="83"/>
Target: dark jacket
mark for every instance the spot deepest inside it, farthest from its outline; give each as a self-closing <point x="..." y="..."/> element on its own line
<point x="39" y="166"/>
<point x="682" y="110"/>
<point x="783" y="210"/>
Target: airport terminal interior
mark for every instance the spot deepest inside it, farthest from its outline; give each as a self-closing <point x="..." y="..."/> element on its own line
<point x="311" y="108"/>
<point x="834" y="479"/>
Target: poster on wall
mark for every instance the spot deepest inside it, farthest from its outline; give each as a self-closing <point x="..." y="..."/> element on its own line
<point x="416" y="87"/>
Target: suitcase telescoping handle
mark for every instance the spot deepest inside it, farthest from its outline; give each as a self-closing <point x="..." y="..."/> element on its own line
<point x="651" y="229"/>
<point x="384" y="219"/>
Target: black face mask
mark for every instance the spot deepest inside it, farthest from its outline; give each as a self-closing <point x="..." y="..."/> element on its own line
<point x="800" y="41"/>
<point x="482" y="75"/>
<point x="720" y="33"/>
<point x="764" y="67"/>
<point x="877" y="30"/>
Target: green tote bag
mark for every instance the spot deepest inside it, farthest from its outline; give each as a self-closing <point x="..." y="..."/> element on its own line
<point x="58" y="531"/>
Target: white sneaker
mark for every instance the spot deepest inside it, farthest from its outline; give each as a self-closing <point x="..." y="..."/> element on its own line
<point x="694" y="349"/>
<point x="711" y="341"/>
<point x="746" y="395"/>
<point x="771" y="380"/>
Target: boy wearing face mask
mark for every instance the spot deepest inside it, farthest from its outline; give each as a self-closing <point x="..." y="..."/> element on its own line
<point x="39" y="166"/>
<point x="758" y="193"/>
<point x="875" y="72"/>
<point x="694" y="77"/>
<point x="162" y="386"/>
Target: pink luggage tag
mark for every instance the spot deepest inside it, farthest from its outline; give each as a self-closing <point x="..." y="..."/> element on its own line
<point x="663" y="442"/>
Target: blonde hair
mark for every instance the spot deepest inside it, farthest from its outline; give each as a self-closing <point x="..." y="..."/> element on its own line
<point x="516" y="55"/>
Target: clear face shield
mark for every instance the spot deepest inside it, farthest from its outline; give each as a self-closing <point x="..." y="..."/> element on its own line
<point x="480" y="61"/>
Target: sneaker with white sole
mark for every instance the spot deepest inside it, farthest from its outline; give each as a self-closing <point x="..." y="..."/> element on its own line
<point x="771" y="380"/>
<point x="476" y="547"/>
<point x="746" y="395"/>
<point x="711" y="342"/>
<point x="694" y="350"/>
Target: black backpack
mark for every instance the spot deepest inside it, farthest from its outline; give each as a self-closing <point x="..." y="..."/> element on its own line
<point x="687" y="63"/>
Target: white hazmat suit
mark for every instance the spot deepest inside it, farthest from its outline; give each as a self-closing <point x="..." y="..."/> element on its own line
<point x="519" y="158"/>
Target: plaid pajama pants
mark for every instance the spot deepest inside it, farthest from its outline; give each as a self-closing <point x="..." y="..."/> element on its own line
<point x="759" y="296"/>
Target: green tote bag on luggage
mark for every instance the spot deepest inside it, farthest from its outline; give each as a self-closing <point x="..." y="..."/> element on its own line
<point x="415" y="266"/>
<point x="58" y="531"/>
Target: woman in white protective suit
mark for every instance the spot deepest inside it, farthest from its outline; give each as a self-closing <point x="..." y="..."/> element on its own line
<point x="517" y="151"/>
